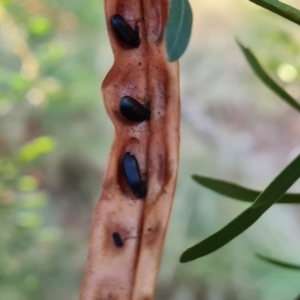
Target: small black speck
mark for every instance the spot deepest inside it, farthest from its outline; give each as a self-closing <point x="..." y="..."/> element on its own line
<point x="117" y="240"/>
<point x="149" y="229"/>
<point x="140" y="63"/>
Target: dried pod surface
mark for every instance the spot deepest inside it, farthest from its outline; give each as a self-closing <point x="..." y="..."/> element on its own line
<point x="132" y="214"/>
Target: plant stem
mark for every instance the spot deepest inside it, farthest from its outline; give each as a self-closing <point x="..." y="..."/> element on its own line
<point x="281" y="9"/>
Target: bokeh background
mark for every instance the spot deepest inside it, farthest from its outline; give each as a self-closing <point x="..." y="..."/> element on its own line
<point x="55" y="138"/>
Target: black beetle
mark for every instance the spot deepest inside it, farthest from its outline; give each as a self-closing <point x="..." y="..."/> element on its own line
<point x="133" y="110"/>
<point x="133" y="176"/>
<point x="117" y="240"/>
<point x="126" y="34"/>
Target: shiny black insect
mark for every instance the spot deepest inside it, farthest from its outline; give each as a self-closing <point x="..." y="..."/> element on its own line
<point x="117" y="240"/>
<point x="127" y="35"/>
<point x="133" y="110"/>
<point x="133" y="176"/>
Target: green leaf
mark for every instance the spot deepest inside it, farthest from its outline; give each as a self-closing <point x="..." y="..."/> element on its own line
<point x="28" y="184"/>
<point x="178" y="29"/>
<point x="29" y="220"/>
<point x="31" y="283"/>
<point x="39" y="25"/>
<point x="34" y="200"/>
<point x="267" y="80"/>
<point x="290" y="13"/>
<point x="48" y="235"/>
<point x="238" y="192"/>
<point x="265" y="200"/>
<point x="37" y="147"/>
<point x="278" y="263"/>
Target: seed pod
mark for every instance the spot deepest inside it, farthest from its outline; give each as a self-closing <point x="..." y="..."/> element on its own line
<point x="133" y="110"/>
<point x="129" y="273"/>
<point x="133" y="176"/>
<point x="117" y="240"/>
<point x="126" y="34"/>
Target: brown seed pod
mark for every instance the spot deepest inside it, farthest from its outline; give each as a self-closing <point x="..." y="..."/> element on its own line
<point x="128" y="233"/>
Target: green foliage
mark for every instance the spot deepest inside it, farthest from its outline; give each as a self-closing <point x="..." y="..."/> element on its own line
<point x="179" y="27"/>
<point x="267" y="80"/>
<point x="49" y="89"/>
<point x="32" y="150"/>
<point x="265" y="200"/>
<point x="277" y="189"/>
<point x="238" y="192"/>
<point x="29" y="243"/>
<point x="278" y="263"/>
<point x="39" y="26"/>
<point x="281" y="9"/>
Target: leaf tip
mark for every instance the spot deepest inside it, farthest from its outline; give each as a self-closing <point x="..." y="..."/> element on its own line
<point x="184" y="257"/>
<point x="172" y="58"/>
<point x="241" y="45"/>
<point x="237" y="41"/>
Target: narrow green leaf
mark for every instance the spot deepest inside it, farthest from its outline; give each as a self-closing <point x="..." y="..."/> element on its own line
<point x="267" y="80"/>
<point x="265" y="200"/>
<point x="238" y="192"/>
<point x="290" y="13"/>
<point x="278" y="263"/>
<point x="178" y="29"/>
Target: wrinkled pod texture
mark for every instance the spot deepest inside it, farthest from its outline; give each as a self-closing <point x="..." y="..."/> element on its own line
<point x="131" y="217"/>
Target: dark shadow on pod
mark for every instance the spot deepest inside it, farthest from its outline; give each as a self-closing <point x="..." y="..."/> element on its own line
<point x="117" y="240"/>
<point x="133" y="176"/>
<point x="133" y="110"/>
<point x="123" y="30"/>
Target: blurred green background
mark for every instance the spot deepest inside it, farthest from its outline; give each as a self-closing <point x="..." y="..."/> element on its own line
<point x="55" y="138"/>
